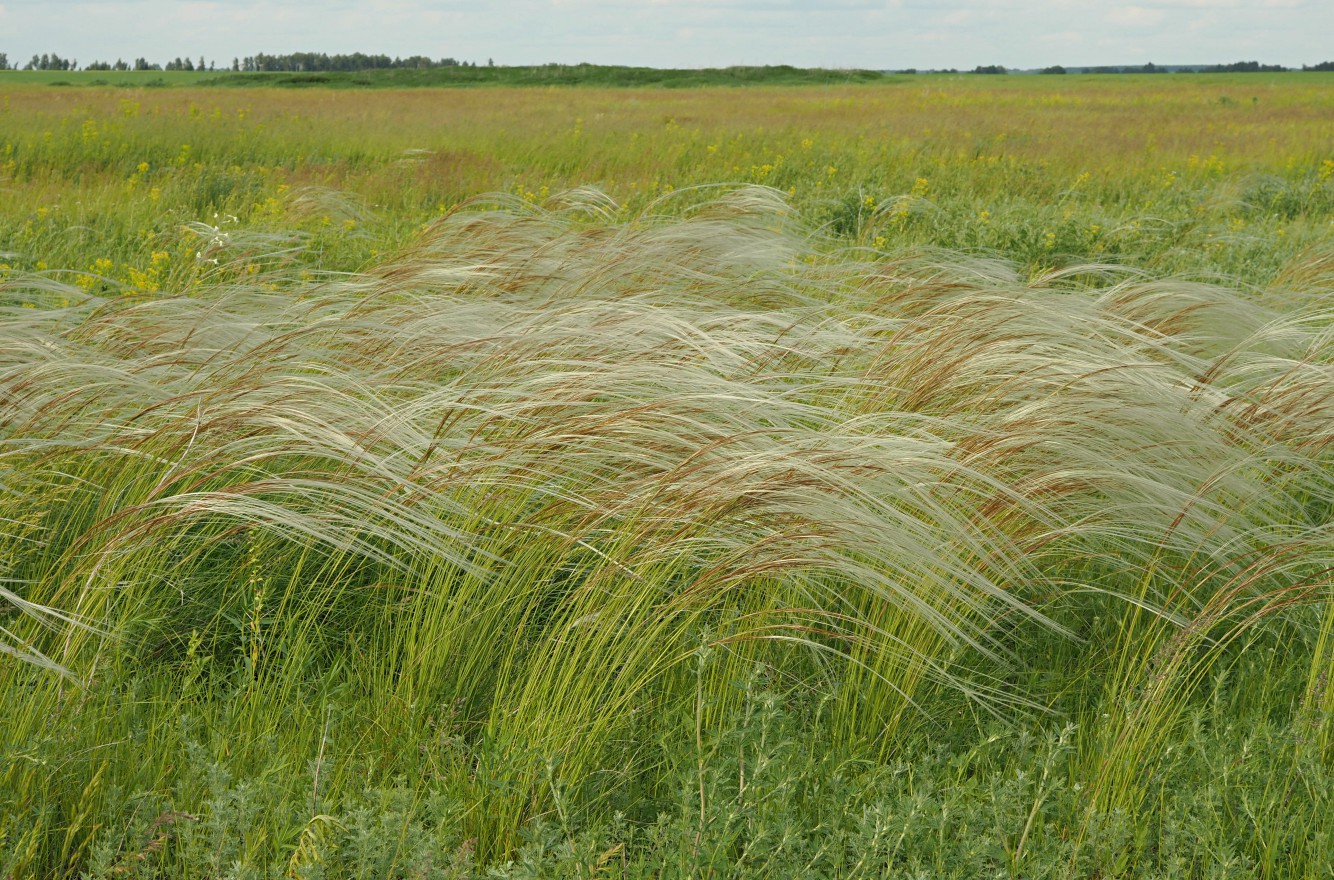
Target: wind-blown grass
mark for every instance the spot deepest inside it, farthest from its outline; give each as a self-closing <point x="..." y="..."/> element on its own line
<point x="548" y="484"/>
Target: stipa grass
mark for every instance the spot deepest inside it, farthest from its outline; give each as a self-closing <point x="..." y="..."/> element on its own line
<point x="516" y="511"/>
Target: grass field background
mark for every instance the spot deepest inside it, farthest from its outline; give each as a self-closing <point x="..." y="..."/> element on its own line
<point x="1208" y="175"/>
<point x="923" y="477"/>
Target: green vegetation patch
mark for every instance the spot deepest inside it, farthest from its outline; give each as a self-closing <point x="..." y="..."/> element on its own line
<point x="555" y="75"/>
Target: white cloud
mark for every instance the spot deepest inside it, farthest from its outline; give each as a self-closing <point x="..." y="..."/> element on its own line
<point x="1136" y="16"/>
<point x="1064" y="38"/>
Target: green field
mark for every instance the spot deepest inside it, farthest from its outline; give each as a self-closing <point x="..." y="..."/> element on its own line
<point x="136" y="79"/>
<point x="456" y="76"/>
<point x="923" y="477"/>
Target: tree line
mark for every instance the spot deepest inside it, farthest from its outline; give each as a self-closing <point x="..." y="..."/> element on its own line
<point x="1235" y="67"/>
<point x="303" y="62"/>
<point x="299" y="62"/>
<point x="294" y="62"/>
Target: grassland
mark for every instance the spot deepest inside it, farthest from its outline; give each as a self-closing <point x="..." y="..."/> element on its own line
<point x="927" y="477"/>
<point x="1203" y="176"/>
<point x="459" y="76"/>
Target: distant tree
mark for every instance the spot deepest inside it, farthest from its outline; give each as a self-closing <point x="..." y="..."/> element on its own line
<point x="1244" y="67"/>
<point x="1054" y="69"/>
<point x="990" y="69"/>
<point x="301" y="62"/>
<point x="1323" y="65"/>
<point x="50" y="61"/>
<point x="295" y="62"/>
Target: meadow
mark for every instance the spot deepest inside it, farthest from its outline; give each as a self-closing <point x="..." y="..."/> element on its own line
<point x="928" y="477"/>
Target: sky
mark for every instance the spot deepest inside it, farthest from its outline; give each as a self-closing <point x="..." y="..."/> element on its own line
<point x="875" y="34"/>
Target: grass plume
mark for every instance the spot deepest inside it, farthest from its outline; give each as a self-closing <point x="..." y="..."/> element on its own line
<point x="554" y="479"/>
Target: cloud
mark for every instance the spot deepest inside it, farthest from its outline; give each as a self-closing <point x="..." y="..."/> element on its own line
<point x="1063" y="38"/>
<point x="1136" y="16"/>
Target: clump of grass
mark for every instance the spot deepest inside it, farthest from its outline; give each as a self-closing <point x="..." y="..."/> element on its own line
<point x="516" y="510"/>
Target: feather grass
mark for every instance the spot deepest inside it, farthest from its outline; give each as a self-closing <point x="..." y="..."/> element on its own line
<point x="533" y="466"/>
